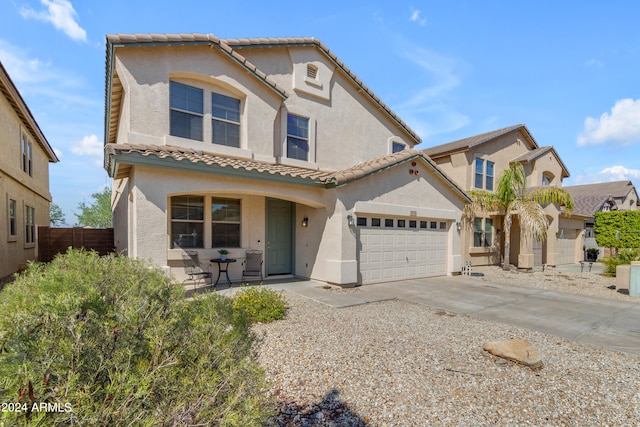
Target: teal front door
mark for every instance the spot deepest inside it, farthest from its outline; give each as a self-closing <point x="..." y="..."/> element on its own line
<point x="278" y="256"/>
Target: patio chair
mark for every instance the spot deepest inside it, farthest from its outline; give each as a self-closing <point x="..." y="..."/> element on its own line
<point x="194" y="270"/>
<point x="252" y="265"/>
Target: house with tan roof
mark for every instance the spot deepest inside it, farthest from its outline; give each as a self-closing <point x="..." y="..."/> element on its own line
<point x="273" y="145"/>
<point x="476" y="163"/>
<point x="24" y="179"/>
<point x="602" y="197"/>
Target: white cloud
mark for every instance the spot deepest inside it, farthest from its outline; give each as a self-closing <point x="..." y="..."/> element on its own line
<point x="613" y="173"/>
<point x="594" y="63"/>
<point x="61" y="14"/>
<point x="415" y="17"/>
<point x="90" y="146"/>
<point x="622" y="126"/>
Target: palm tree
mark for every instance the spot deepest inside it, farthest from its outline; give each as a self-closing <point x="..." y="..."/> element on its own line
<point x="512" y="198"/>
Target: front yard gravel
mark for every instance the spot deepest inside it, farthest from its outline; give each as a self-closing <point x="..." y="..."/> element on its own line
<point x="395" y="363"/>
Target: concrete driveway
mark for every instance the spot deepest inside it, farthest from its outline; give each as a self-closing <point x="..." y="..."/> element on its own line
<point x="608" y="323"/>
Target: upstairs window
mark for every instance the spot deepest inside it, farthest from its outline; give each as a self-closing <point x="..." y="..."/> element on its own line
<point x="484" y="174"/>
<point x="297" y="137"/>
<point x="27" y="150"/>
<point x="187" y="111"/>
<point x="547" y="179"/>
<point x="187" y="221"/>
<point x="225" y="114"/>
<point x="396" y="147"/>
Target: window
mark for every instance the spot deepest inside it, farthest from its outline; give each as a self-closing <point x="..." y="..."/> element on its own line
<point x="433" y="225"/>
<point x="423" y="224"/>
<point x="484" y="174"/>
<point x="413" y="223"/>
<point x="29" y="225"/>
<point x="388" y="222"/>
<point x="443" y="226"/>
<point x="375" y="222"/>
<point x="225" y="112"/>
<point x="187" y="221"/>
<point x="13" y="218"/>
<point x="396" y="147"/>
<point x="26" y="148"/>
<point x="482" y="232"/>
<point x="187" y="111"/>
<point x="362" y="222"/>
<point x="546" y="179"/>
<point x="401" y="223"/>
<point x="225" y="218"/>
<point x="297" y="137"/>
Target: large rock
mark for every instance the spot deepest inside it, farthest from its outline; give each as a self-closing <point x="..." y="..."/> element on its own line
<point x="517" y="350"/>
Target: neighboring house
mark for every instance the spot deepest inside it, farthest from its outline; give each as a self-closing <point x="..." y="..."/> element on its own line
<point x="601" y="197"/>
<point x="270" y="144"/>
<point x="24" y="179"/>
<point x="476" y="163"/>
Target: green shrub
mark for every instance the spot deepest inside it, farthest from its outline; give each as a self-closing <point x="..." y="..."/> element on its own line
<point x="260" y="304"/>
<point x="110" y="341"/>
<point x="625" y="256"/>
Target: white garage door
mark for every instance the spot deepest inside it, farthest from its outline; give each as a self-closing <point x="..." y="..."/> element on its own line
<point x="567" y="246"/>
<point x="398" y="249"/>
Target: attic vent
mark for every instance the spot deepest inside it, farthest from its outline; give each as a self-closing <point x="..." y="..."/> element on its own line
<point x="312" y="71"/>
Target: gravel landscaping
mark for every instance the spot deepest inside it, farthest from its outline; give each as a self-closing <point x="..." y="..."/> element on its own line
<point x="395" y="363"/>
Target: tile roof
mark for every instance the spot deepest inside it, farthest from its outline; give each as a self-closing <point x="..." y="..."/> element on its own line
<point x="230" y="47"/>
<point x="473" y="141"/>
<point x="13" y="97"/>
<point x="614" y="188"/>
<point x="536" y="153"/>
<point x="113" y="152"/>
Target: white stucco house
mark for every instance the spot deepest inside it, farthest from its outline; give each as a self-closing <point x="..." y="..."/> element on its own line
<point x="269" y="144"/>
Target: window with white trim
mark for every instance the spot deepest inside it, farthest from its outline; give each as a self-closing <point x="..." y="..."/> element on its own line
<point x="225" y="113"/>
<point x="484" y="174"/>
<point x="187" y="221"/>
<point x="187" y="110"/>
<point x="482" y="232"/>
<point x="225" y="222"/>
<point x="26" y="149"/>
<point x="30" y="224"/>
<point x="297" y="137"/>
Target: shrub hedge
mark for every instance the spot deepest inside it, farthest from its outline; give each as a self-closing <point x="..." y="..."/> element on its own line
<point x="92" y="341"/>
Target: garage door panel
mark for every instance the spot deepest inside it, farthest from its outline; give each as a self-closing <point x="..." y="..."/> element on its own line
<point x="389" y="254"/>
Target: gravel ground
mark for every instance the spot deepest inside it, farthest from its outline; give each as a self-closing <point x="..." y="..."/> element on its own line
<point x="395" y="363"/>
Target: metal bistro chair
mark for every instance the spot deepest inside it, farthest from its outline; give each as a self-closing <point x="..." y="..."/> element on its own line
<point x="193" y="269"/>
<point x="252" y="265"/>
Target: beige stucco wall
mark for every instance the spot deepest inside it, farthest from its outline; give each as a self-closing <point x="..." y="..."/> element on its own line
<point x="347" y="117"/>
<point x="17" y="185"/>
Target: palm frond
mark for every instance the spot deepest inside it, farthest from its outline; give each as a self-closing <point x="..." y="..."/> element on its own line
<point x="555" y="195"/>
<point x="533" y="219"/>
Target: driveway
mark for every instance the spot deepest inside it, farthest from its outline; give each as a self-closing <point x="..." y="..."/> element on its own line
<point x="607" y="323"/>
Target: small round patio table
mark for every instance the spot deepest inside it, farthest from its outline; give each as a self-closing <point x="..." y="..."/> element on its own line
<point x="223" y="267"/>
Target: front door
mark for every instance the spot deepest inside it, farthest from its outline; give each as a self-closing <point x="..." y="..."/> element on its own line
<point x="279" y="237"/>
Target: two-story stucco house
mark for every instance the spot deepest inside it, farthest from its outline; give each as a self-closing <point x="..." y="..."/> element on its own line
<point x="24" y="179"/>
<point x="477" y="163"/>
<point x="601" y="197"/>
<point x="269" y="144"/>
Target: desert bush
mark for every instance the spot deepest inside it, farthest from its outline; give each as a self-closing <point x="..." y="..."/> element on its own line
<point x="260" y="304"/>
<point x="625" y="256"/>
<point x="93" y="340"/>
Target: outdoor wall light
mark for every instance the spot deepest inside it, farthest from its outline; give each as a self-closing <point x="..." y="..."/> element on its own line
<point x="458" y="225"/>
<point x="305" y="222"/>
<point x="350" y="220"/>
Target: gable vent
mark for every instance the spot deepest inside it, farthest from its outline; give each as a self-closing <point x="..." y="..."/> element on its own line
<point x="312" y="71"/>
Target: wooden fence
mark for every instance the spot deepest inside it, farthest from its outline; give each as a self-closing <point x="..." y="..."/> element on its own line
<point x="53" y="241"/>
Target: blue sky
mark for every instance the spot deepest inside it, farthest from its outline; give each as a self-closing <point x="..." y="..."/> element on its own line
<point x="451" y="69"/>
